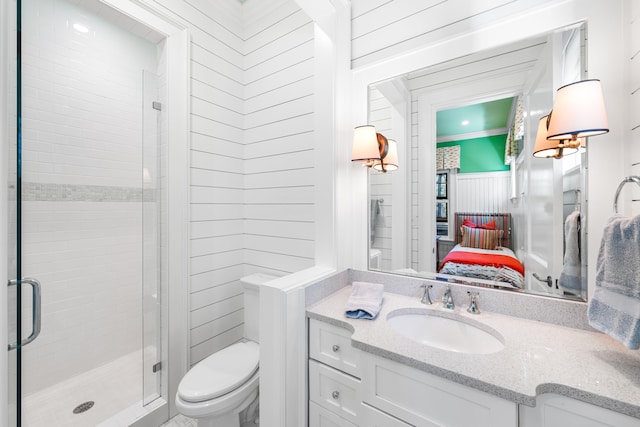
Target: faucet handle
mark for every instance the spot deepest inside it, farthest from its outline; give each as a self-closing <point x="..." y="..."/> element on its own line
<point x="426" y="298"/>
<point x="473" y="302"/>
<point x="447" y="298"/>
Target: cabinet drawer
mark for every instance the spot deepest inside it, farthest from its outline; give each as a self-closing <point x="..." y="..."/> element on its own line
<point x="371" y="417"/>
<point x="423" y="399"/>
<point x="332" y="345"/>
<point x="335" y="391"/>
<point x="320" y="417"/>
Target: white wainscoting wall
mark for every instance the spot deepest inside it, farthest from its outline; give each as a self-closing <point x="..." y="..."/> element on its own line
<point x="482" y="192"/>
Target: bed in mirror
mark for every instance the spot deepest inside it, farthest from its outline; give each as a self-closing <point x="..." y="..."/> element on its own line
<point x="476" y="206"/>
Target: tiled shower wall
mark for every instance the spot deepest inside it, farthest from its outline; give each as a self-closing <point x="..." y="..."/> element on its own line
<point x="82" y="187"/>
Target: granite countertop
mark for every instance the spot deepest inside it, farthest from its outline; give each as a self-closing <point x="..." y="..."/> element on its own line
<point x="537" y="358"/>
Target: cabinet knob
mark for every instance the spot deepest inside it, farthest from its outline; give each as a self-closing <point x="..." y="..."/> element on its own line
<point x="335" y="348"/>
<point x="335" y="395"/>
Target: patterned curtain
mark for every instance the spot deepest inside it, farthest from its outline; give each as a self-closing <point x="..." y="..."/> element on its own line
<point x="511" y="147"/>
<point x="448" y="157"/>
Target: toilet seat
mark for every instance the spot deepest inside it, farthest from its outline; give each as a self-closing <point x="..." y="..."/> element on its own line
<point x="220" y="373"/>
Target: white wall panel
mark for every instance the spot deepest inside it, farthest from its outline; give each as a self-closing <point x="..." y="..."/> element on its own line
<point x="299" y="229"/>
<point x="212" y="144"/>
<point x="283" y="78"/>
<point x="262" y="62"/>
<point x="482" y="192"/>
<point x="398" y="26"/>
<point x="215" y="277"/>
<point x="284" y="178"/>
<point x="283" y="144"/>
<point x="380" y="187"/>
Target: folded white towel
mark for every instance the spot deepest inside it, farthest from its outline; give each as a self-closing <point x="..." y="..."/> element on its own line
<point x="365" y="300"/>
<point x="615" y="306"/>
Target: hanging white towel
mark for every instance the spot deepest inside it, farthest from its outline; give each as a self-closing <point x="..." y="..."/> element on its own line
<point x="571" y="278"/>
<point x="615" y="306"/>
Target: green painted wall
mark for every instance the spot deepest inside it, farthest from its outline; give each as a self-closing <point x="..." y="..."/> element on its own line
<point x="484" y="154"/>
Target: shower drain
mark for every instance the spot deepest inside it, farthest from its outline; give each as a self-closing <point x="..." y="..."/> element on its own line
<point x="83" y="407"/>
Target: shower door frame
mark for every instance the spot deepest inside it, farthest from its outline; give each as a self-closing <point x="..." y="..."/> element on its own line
<point x="175" y="293"/>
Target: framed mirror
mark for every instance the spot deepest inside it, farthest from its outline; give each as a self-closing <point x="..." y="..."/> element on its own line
<point x="478" y="207"/>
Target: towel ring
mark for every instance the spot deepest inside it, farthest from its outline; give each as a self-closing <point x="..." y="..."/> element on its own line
<point x="635" y="179"/>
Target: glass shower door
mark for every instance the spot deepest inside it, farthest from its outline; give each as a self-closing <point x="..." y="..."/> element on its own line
<point x="151" y="240"/>
<point x="85" y="220"/>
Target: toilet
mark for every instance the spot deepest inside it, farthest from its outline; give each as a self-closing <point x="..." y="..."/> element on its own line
<point x="217" y="389"/>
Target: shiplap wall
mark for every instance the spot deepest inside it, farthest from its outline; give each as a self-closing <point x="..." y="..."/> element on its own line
<point x="252" y="189"/>
<point x="279" y="193"/>
<point x="415" y="178"/>
<point x="380" y="186"/>
<point x="634" y="102"/>
<point x="382" y="28"/>
<point x="216" y="172"/>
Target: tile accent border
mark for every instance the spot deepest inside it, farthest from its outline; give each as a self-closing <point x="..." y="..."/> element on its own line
<point x="45" y="192"/>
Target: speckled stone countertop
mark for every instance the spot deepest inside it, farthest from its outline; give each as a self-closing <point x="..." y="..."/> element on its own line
<point x="537" y="358"/>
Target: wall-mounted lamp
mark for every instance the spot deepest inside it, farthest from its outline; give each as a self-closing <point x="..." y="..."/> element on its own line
<point x="578" y="112"/>
<point x="550" y="148"/>
<point x="374" y="149"/>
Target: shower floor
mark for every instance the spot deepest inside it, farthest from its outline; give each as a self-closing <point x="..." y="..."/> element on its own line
<point x="113" y="387"/>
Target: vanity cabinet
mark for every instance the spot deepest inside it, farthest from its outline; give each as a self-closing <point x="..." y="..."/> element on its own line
<point x="423" y="399"/>
<point x="553" y="410"/>
<point x="348" y="387"/>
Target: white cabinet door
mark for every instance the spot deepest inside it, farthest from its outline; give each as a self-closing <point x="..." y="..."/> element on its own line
<point x="559" y="411"/>
<point x="423" y="399"/>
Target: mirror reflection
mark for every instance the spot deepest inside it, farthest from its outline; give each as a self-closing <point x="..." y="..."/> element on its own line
<point x="469" y="201"/>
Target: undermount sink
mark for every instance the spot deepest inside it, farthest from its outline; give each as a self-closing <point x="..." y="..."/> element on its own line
<point x="444" y="333"/>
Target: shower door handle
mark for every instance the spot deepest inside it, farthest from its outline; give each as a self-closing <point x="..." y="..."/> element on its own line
<point x="36" y="312"/>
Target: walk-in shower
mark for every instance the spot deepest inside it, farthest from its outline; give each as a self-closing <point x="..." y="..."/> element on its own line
<point x="90" y="183"/>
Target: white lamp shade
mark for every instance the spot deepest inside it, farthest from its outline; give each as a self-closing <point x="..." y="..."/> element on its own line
<point x="548" y="148"/>
<point x="578" y="111"/>
<point x="390" y="160"/>
<point x="365" y="144"/>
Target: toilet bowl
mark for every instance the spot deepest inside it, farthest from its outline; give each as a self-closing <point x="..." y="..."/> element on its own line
<point x="218" y="388"/>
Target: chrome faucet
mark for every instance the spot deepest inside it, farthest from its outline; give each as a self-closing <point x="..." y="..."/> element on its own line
<point x="473" y="302"/>
<point x="426" y="299"/>
<point x="447" y="299"/>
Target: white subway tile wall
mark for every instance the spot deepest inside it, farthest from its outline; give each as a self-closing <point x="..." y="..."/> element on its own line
<point x="82" y="182"/>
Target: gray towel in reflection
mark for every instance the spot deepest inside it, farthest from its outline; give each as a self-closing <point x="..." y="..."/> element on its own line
<point x="375" y="219"/>
<point x="615" y="306"/>
<point x="570" y="278"/>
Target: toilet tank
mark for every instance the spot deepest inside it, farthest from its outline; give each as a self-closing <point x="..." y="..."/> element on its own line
<point x="251" y="288"/>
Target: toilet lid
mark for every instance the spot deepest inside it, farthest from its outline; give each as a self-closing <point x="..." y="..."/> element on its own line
<point x="220" y="373"/>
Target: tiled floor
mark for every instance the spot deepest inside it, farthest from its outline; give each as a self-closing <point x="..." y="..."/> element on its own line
<point x="180" y="421"/>
<point x="104" y="385"/>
